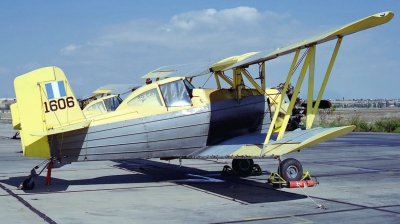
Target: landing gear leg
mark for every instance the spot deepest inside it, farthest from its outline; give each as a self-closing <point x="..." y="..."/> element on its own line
<point x="291" y="174"/>
<point x="29" y="183"/>
<point x="242" y="167"/>
<point x="48" y="177"/>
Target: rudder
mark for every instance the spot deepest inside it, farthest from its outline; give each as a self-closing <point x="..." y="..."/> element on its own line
<point x="44" y="100"/>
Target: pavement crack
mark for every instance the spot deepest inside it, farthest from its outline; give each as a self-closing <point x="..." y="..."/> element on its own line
<point x="29" y="206"/>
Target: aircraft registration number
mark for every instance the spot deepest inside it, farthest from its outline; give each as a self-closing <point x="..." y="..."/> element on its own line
<point x="60" y="104"/>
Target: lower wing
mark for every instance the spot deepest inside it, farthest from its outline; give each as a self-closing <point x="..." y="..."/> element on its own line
<point x="251" y="145"/>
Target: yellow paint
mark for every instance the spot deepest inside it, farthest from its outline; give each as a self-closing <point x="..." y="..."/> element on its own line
<point x="102" y="91"/>
<point x="326" y="78"/>
<point x="310" y="95"/>
<point x="273" y="95"/>
<point x="201" y="97"/>
<point x="278" y="149"/>
<point x="294" y="96"/>
<point x="247" y="75"/>
<point x="225" y="63"/>
<point x="15" y="116"/>
<point x="217" y="80"/>
<point x="238" y="82"/>
<point x="225" y="78"/>
<point x="32" y="96"/>
<point x="248" y="150"/>
<point x="275" y="122"/>
<point x="323" y="136"/>
<point x="277" y="126"/>
<point x="61" y="129"/>
<point x="30" y="115"/>
<point x="368" y="22"/>
<point x="59" y="117"/>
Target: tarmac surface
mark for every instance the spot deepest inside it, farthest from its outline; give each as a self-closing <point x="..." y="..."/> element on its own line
<point x="359" y="177"/>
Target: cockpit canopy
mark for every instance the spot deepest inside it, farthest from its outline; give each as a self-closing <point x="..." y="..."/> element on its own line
<point x="102" y="105"/>
<point x="174" y="92"/>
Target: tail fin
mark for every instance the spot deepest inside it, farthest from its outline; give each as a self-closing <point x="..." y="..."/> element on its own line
<point x="44" y="101"/>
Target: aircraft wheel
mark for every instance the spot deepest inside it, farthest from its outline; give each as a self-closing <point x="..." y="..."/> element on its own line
<point x="290" y="169"/>
<point x="242" y="166"/>
<point x="27" y="185"/>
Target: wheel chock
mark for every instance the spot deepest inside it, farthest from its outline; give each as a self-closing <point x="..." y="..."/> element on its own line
<point x="256" y="170"/>
<point x="227" y="170"/>
<point x="306" y="180"/>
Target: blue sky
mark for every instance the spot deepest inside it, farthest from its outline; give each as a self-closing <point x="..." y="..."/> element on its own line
<point x="108" y="42"/>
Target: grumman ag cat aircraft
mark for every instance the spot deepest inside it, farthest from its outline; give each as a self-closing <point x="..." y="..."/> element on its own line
<point x="170" y="118"/>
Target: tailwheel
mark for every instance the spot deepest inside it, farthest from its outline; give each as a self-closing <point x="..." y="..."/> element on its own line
<point x="290" y="170"/>
<point x="28" y="184"/>
<point x="242" y="166"/>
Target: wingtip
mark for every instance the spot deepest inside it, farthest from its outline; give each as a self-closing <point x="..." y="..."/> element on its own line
<point x="387" y="14"/>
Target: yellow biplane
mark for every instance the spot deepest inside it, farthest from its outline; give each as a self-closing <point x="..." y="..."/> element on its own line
<point x="170" y="118"/>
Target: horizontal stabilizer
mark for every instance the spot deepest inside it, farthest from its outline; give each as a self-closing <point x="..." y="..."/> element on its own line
<point x="62" y="129"/>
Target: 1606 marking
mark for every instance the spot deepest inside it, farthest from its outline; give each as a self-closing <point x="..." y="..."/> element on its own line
<point x="61" y="104"/>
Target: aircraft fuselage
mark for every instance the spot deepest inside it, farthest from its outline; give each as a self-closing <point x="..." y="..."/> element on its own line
<point x="166" y="135"/>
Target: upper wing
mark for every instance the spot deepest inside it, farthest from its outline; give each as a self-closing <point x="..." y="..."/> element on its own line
<point x="362" y="24"/>
<point x="244" y="60"/>
<point x="183" y="70"/>
<point x="252" y="145"/>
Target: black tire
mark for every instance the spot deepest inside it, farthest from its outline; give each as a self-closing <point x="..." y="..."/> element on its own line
<point x="290" y="169"/>
<point x="242" y="166"/>
<point x="28" y="186"/>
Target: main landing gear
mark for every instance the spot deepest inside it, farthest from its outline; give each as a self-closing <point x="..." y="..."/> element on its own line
<point x="242" y="167"/>
<point x="290" y="172"/>
<point x="290" y="169"/>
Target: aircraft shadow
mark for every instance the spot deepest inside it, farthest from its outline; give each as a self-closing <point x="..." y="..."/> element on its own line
<point x="145" y="171"/>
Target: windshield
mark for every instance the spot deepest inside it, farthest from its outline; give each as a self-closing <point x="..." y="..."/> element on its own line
<point x="112" y="103"/>
<point x="175" y="94"/>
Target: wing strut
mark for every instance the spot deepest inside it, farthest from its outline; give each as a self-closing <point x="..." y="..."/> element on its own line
<point x="311" y="115"/>
<point x="296" y="91"/>
<point x="310" y="95"/>
<point x="278" y="105"/>
<point x="251" y="80"/>
<point x="309" y="64"/>
<point x="262" y="75"/>
<point x="217" y="79"/>
<point x="224" y="77"/>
